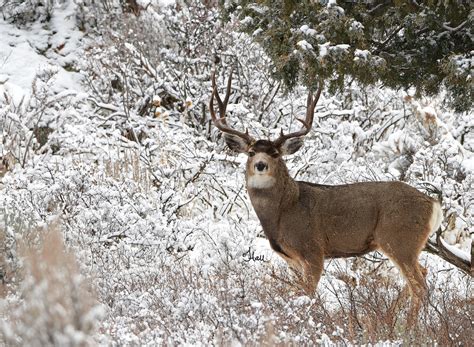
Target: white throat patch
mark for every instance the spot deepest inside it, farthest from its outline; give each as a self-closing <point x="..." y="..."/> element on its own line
<point x="260" y="181"/>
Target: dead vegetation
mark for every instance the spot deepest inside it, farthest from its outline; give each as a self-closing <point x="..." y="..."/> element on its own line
<point x="58" y="306"/>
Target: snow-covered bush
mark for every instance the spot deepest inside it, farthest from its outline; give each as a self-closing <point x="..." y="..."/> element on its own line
<point x="22" y="12"/>
<point x="28" y="120"/>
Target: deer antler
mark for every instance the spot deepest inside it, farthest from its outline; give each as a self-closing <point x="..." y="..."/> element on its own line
<point x="307" y="122"/>
<point x="221" y="122"/>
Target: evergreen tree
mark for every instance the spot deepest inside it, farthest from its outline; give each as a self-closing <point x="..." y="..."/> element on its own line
<point x="403" y="44"/>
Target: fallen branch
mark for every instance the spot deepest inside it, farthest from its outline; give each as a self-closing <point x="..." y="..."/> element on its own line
<point x="441" y="249"/>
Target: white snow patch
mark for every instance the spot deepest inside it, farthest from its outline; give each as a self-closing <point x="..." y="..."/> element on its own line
<point x="257" y="32"/>
<point x="456" y="251"/>
<point x="323" y="49"/>
<point x="305" y="45"/>
<point x="308" y="31"/>
<point x="361" y="54"/>
<point x="26" y="52"/>
<point x="468" y="164"/>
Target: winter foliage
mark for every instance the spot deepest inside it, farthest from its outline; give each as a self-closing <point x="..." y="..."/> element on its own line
<point x="403" y="44"/>
<point x="124" y="219"/>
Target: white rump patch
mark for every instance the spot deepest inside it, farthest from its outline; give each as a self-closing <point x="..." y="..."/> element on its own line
<point x="260" y="181"/>
<point x="436" y="218"/>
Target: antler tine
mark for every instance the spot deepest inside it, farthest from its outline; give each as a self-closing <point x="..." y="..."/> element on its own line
<point x="221" y="122"/>
<point x="307" y="122"/>
<point x="222" y="105"/>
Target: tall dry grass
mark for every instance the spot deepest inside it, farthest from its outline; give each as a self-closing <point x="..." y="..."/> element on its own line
<point x="51" y="303"/>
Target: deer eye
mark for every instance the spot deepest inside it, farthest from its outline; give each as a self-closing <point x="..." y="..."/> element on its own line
<point x="251" y="153"/>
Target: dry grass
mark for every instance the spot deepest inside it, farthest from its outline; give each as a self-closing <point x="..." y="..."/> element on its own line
<point x="3" y="264"/>
<point x="128" y="166"/>
<point x="7" y="265"/>
<point x="57" y="305"/>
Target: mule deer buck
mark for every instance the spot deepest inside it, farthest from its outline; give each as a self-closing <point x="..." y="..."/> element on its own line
<point x="307" y="222"/>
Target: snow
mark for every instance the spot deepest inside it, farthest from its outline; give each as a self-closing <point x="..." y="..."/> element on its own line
<point x="257" y="32"/>
<point x="162" y="228"/>
<point x="21" y="54"/>
<point x="246" y="21"/>
<point x="361" y="54"/>
<point x="457" y="252"/>
<point x="468" y="164"/>
<point x="308" y="31"/>
<point x="305" y="45"/>
<point x="323" y="49"/>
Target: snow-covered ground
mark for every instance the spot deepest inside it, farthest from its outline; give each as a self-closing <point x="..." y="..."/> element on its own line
<point x="106" y="142"/>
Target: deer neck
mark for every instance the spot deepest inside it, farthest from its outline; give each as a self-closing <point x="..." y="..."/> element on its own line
<point x="270" y="202"/>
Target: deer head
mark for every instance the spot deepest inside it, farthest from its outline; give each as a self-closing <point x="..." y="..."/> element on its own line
<point x="265" y="163"/>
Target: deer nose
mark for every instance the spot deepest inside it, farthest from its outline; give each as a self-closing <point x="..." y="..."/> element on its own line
<point x="260" y="166"/>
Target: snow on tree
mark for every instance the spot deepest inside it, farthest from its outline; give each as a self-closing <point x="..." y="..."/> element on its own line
<point x="402" y="44"/>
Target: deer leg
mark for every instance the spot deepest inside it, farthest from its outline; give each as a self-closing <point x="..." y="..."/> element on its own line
<point x="414" y="275"/>
<point x="312" y="269"/>
<point x="406" y="259"/>
<point x="418" y="290"/>
<point x="416" y="279"/>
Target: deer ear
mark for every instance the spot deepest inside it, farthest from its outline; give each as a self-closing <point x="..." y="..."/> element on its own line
<point x="292" y="145"/>
<point x="236" y="143"/>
